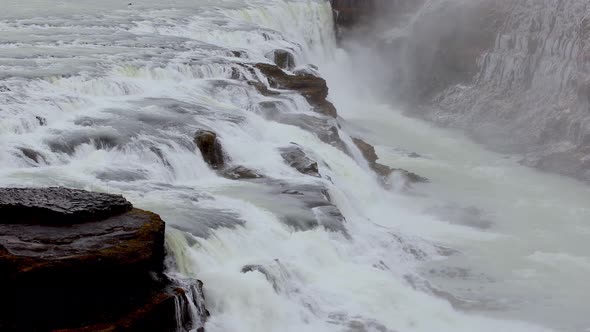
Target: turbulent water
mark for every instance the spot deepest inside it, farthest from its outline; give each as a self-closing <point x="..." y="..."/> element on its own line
<point x="107" y="96"/>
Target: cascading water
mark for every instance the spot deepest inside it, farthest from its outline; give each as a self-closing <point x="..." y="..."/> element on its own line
<point x="109" y="99"/>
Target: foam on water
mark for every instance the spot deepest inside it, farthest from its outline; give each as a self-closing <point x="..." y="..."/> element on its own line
<point x="111" y="101"/>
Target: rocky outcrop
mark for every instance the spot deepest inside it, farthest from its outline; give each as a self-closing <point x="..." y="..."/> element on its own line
<point x="313" y="88"/>
<point x="210" y="148"/>
<point x="296" y="158"/>
<point x="368" y="151"/>
<point x="308" y="84"/>
<point x="81" y="261"/>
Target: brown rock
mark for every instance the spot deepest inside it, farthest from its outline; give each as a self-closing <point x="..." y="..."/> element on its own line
<point x="82" y="261"/>
<point x="210" y="148"/>
<point x="313" y="88"/>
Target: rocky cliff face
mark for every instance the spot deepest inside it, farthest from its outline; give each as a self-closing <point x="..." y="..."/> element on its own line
<point x="513" y="74"/>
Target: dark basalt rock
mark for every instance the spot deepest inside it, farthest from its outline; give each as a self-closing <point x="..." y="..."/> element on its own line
<point x="313" y="88"/>
<point x="210" y="148"/>
<point x="58" y="206"/>
<point x="296" y="158"/>
<point x="81" y="261"/>
<point x="371" y="156"/>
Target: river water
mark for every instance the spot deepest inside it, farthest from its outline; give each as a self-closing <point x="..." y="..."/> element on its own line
<point x="107" y="96"/>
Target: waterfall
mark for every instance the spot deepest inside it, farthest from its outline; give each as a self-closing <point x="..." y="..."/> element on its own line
<point x="111" y="100"/>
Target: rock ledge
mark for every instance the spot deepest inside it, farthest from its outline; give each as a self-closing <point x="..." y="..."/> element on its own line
<point x="72" y="260"/>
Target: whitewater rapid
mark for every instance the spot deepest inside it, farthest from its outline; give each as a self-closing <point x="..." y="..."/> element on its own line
<point x="108" y="98"/>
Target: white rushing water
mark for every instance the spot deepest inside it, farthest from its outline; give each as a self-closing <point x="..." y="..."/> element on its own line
<point x="108" y="97"/>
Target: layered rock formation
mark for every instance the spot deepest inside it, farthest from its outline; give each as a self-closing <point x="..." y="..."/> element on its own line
<point x="513" y="74"/>
<point x="71" y="260"/>
<point x="312" y="87"/>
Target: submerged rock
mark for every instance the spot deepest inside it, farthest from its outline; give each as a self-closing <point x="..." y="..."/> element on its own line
<point x="32" y="155"/>
<point x="263" y="89"/>
<point x="81" y="261"/>
<point x="240" y="172"/>
<point x="325" y="128"/>
<point x="210" y="148"/>
<point x="316" y="205"/>
<point x="42" y="121"/>
<point x="296" y="158"/>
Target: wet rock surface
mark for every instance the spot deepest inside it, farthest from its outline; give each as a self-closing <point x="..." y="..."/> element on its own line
<point x="81" y="261"/>
<point x="54" y="206"/>
<point x="315" y="208"/>
<point x="313" y="88"/>
<point x="325" y="128"/>
<point x="210" y="148"/>
<point x="296" y="158"/>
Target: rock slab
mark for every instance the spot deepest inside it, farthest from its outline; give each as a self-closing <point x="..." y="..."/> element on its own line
<point x="80" y="261"/>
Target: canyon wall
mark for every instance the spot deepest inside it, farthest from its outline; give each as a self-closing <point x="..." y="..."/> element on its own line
<point x="512" y="74"/>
